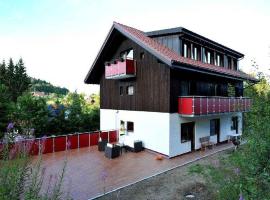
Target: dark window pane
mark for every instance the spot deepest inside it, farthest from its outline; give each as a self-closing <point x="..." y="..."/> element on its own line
<point x="130" y="126"/>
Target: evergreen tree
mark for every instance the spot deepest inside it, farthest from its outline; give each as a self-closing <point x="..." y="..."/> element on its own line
<point x="15" y="78"/>
<point x="22" y="82"/>
<point x="2" y="72"/>
<point x="5" y="109"/>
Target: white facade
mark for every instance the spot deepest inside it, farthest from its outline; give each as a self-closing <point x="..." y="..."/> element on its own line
<point x="161" y="132"/>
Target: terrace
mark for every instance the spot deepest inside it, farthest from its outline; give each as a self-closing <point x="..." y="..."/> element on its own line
<point x="86" y="167"/>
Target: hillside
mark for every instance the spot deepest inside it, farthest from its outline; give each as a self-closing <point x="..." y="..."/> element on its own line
<point x="38" y="85"/>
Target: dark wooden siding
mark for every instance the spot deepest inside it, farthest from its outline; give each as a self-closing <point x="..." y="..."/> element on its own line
<point x="151" y="85"/>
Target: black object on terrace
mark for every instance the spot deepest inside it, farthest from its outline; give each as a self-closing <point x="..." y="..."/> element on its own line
<point x="112" y="152"/>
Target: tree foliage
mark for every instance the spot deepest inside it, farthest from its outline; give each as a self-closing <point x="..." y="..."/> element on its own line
<point x="46" y="87"/>
<point x="58" y="113"/>
<point x="15" y="78"/>
<point x="246" y="172"/>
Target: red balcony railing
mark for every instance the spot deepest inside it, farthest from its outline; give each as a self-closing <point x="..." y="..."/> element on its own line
<point x="120" y="69"/>
<point x="201" y="105"/>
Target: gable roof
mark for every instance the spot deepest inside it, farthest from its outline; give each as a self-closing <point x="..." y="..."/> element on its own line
<point x="168" y="56"/>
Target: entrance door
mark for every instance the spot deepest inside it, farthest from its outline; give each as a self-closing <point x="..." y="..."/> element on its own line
<point x="187" y="134"/>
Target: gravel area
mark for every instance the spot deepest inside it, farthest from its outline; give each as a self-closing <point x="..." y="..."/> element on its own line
<point x="174" y="184"/>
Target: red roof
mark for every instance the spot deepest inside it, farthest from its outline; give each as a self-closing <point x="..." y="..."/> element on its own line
<point x="170" y="57"/>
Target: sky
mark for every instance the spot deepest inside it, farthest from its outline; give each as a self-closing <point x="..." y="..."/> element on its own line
<point x="59" y="39"/>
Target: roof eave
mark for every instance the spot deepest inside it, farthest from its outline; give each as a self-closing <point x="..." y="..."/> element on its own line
<point x="185" y="66"/>
<point x="97" y="57"/>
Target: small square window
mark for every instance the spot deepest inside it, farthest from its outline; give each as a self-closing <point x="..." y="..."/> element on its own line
<point x="130" y="90"/>
<point x="130" y="126"/>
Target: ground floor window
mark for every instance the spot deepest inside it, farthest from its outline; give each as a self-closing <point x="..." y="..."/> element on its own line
<point x="214" y="127"/>
<point x="187" y="132"/>
<point x="130" y="126"/>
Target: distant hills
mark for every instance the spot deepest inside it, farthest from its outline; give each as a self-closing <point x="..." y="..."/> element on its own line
<point x="38" y="85"/>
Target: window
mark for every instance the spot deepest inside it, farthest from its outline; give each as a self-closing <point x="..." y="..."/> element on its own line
<point x="234" y="124"/>
<point x="229" y="62"/>
<point x="187" y="131"/>
<point x="130" y="90"/>
<point x="208" y="57"/>
<point x="185" y="50"/>
<point x="121" y="90"/>
<point x="127" y="54"/>
<point x="195" y="53"/>
<point x="130" y="126"/>
<point x="235" y="64"/>
<point x="142" y="55"/>
<point x="218" y="60"/>
<point x="214" y="127"/>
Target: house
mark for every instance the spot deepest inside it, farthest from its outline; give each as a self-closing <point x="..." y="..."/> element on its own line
<point x="169" y="88"/>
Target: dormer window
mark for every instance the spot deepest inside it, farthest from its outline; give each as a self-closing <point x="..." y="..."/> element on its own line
<point x="185" y="50"/>
<point x="218" y="60"/>
<point x="235" y="64"/>
<point x="229" y="62"/>
<point x="208" y="57"/>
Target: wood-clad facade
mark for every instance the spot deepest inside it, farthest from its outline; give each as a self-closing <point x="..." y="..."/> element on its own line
<point x="156" y="85"/>
<point x="151" y="84"/>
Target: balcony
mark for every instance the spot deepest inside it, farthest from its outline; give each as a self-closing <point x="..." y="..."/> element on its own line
<point x="120" y="69"/>
<point x="192" y="106"/>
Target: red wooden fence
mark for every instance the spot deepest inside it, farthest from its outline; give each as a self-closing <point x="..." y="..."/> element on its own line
<point x="61" y="143"/>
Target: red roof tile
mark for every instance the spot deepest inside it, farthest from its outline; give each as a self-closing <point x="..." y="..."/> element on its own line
<point x="170" y="56"/>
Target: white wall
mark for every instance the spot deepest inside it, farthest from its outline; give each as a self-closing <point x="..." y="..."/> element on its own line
<point x="202" y="127"/>
<point x="152" y="128"/>
<point x="161" y="132"/>
<point x="176" y="147"/>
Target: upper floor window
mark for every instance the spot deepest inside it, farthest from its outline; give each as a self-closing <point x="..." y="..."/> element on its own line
<point x="235" y="67"/>
<point x="218" y="60"/>
<point x="229" y="62"/>
<point x="121" y="90"/>
<point x="130" y="90"/>
<point x="127" y="54"/>
<point x="185" y="50"/>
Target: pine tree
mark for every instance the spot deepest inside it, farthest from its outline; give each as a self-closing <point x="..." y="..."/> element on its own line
<point x="22" y="82"/>
<point x="16" y="79"/>
<point x="2" y="72"/>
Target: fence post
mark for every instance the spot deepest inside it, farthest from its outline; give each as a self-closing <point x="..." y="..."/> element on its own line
<point x="66" y="141"/>
<point x="53" y="137"/>
<point x="78" y="141"/>
<point x="89" y="139"/>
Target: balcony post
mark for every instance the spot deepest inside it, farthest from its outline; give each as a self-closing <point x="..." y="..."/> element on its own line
<point x="193" y="105"/>
<point x="200" y="105"/>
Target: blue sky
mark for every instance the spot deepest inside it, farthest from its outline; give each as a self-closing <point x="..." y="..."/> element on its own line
<point x="59" y="39"/>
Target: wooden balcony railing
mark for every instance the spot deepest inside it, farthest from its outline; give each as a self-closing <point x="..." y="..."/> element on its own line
<point x="120" y="69"/>
<point x="205" y="105"/>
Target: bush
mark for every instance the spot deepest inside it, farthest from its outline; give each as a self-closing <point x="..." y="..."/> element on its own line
<point x="21" y="178"/>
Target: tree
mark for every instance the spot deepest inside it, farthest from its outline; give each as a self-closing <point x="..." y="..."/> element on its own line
<point x="5" y="109"/>
<point x="22" y="82"/>
<point x="14" y="77"/>
<point x="2" y="72"/>
<point x="31" y="113"/>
